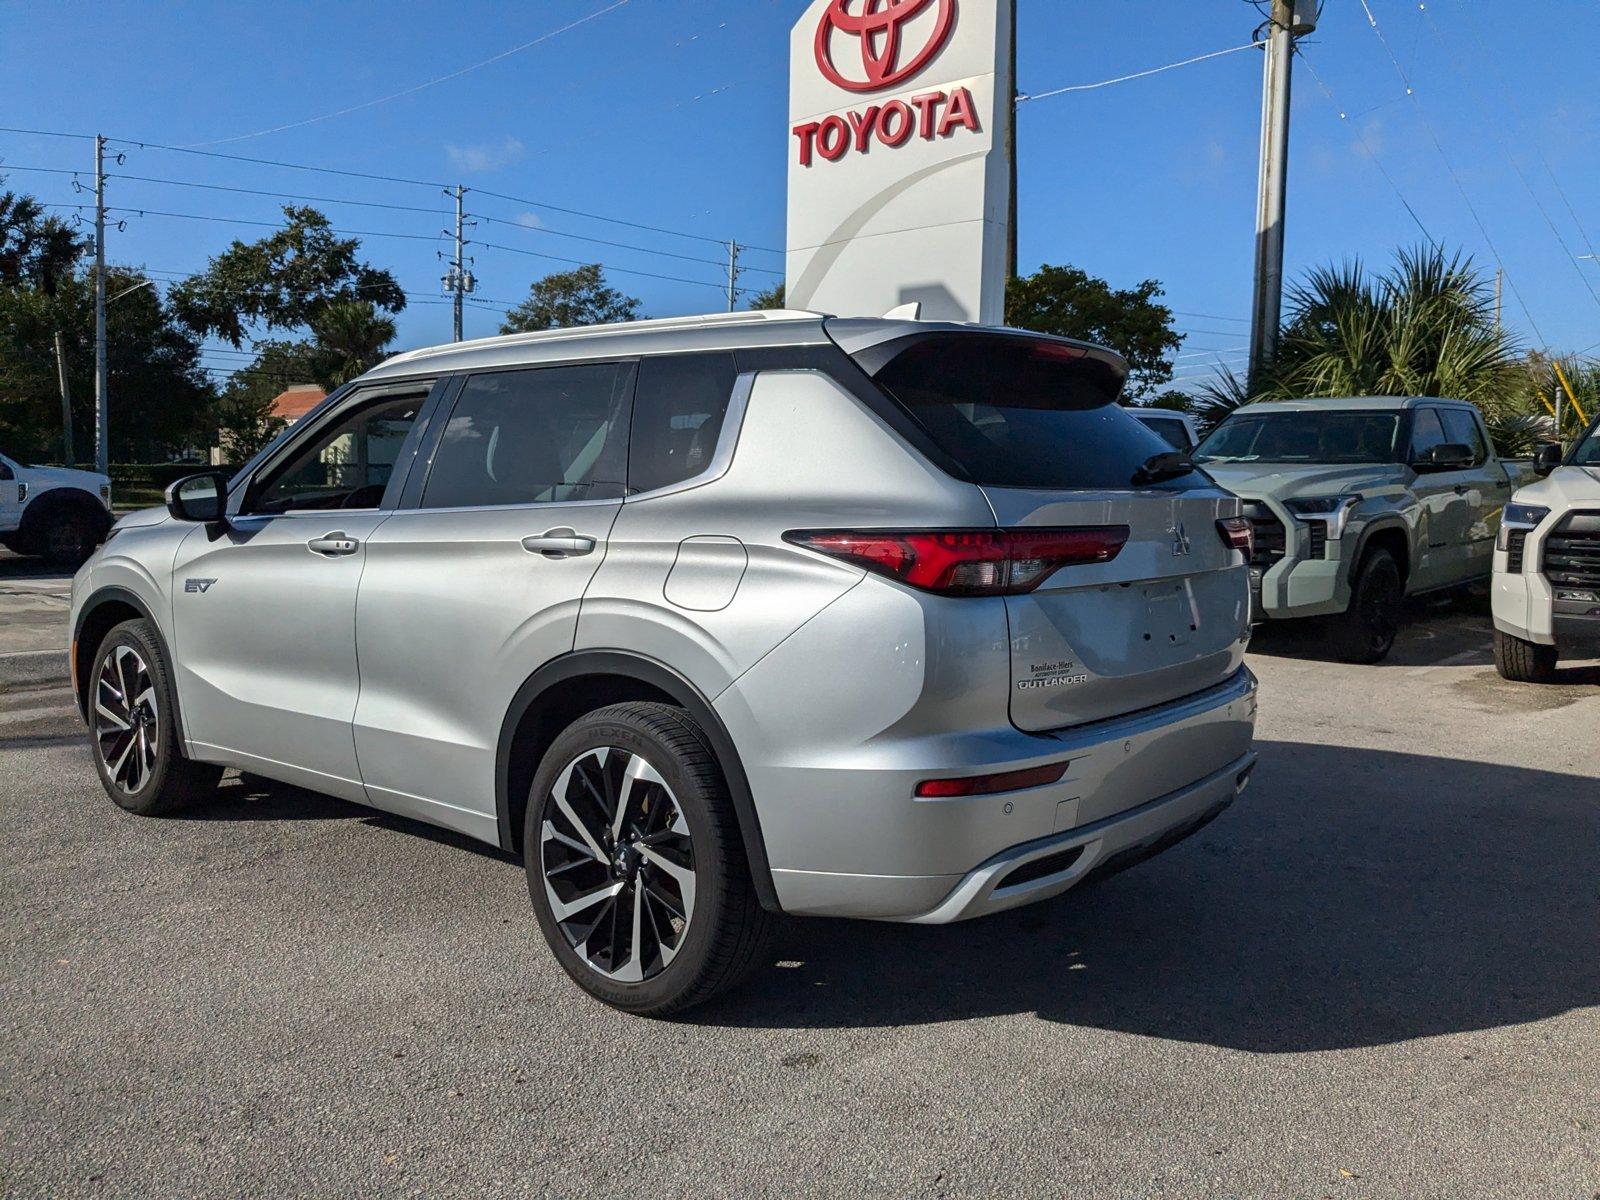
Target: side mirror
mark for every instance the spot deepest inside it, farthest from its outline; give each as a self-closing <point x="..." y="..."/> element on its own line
<point x="1546" y="459"/>
<point x="202" y="497"/>
<point x="1451" y="456"/>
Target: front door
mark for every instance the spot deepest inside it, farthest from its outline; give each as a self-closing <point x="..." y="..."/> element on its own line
<point x="264" y="608"/>
<point x="1446" y="507"/>
<point x="475" y="582"/>
<point x="10" y="497"/>
<point x="1483" y="487"/>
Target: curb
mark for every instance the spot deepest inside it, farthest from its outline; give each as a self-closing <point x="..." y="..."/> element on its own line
<point x="30" y="668"/>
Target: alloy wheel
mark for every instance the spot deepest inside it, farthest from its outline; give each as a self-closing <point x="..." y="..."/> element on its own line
<point x="127" y="724"/>
<point x="617" y="864"/>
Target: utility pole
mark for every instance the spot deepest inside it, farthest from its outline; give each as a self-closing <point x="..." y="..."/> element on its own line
<point x="459" y="281"/>
<point x="68" y="454"/>
<point x="733" y="275"/>
<point x="1499" y="292"/>
<point x="102" y="456"/>
<point x="1290" y="19"/>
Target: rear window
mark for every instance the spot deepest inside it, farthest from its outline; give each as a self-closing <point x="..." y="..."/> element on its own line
<point x="1018" y="412"/>
<point x="678" y="408"/>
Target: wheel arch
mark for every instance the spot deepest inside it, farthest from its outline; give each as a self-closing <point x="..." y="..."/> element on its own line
<point x="106" y="608"/>
<point x="566" y="688"/>
<point x="58" y="500"/>
<point x="1390" y="535"/>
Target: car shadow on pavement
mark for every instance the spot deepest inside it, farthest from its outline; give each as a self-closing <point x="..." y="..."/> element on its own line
<point x="1456" y="628"/>
<point x="1351" y="898"/>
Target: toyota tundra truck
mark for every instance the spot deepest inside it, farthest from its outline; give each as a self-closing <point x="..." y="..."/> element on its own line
<point x="1546" y="593"/>
<point x="58" y="514"/>
<point x="1360" y="502"/>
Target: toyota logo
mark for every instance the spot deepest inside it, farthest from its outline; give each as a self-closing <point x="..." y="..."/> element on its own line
<point x="878" y="27"/>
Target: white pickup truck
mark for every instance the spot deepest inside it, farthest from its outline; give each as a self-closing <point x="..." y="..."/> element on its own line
<point x="58" y="514"/>
<point x="1546" y="592"/>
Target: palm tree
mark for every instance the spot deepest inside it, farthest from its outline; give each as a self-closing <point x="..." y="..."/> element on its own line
<point x="1425" y="327"/>
<point x="351" y="338"/>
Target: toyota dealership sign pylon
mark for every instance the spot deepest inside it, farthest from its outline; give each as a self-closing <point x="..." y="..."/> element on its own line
<point x="899" y="189"/>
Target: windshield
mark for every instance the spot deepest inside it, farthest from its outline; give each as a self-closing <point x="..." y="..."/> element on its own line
<point x="1587" y="452"/>
<point x="1311" y="436"/>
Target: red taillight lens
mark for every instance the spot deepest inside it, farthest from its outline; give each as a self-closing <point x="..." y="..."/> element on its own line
<point x="987" y="785"/>
<point x="967" y="562"/>
<point x="1238" y="533"/>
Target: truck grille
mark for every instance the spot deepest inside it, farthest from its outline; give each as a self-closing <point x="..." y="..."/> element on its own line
<point x="1319" y="539"/>
<point x="1271" y="538"/>
<point x="1572" y="551"/>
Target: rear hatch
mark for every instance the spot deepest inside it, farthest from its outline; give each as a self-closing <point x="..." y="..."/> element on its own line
<point x="1034" y="423"/>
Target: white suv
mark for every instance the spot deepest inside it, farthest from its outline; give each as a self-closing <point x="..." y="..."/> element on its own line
<point x="709" y="619"/>
<point x="59" y="514"/>
<point x="1546" y="593"/>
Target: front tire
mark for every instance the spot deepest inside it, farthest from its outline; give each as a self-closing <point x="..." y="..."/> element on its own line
<point x="1366" y="631"/>
<point x="135" y="736"/>
<point x="1523" y="661"/>
<point x="71" y="536"/>
<point x="635" y="862"/>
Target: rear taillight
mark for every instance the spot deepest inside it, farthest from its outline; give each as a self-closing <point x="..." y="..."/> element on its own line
<point x="967" y="562"/>
<point x="1238" y="533"/>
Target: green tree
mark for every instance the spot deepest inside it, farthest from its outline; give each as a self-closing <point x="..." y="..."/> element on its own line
<point x="1069" y="302"/>
<point x="774" y="297"/>
<point x="568" y="299"/>
<point x="283" y="281"/>
<point x="351" y="339"/>
<point x="36" y="250"/>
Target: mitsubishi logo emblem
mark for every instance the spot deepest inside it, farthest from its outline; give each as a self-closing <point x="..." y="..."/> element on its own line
<point x="1180" y="540"/>
<point x="878" y="27"/>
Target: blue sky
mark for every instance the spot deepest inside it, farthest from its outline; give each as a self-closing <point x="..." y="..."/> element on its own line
<point x="672" y="113"/>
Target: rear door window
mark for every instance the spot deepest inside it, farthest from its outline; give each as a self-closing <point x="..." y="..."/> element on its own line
<point x="679" y="406"/>
<point x="1019" y="412"/>
<point x="537" y="436"/>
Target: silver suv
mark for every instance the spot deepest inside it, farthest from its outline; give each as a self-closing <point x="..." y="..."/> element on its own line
<point x="709" y="619"/>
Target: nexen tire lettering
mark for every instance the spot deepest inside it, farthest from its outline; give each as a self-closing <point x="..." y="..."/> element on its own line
<point x="932" y="114"/>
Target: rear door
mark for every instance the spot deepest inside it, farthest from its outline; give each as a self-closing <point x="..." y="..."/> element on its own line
<point x="1034" y="423"/>
<point x="475" y="583"/>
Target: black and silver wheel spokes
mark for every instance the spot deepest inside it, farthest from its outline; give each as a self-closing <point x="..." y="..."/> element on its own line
<point x="127" y="728"/>
<point x="618" y="864"/>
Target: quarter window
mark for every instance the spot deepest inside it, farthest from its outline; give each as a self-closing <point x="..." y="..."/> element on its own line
<point x="535" y="437"/>
<point x="678" y="410"/>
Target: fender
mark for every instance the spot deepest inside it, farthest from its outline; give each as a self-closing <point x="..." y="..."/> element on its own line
<point x="1379" y="525"/>
<point x="664" y="679"/>
<point x="113" y="593"/>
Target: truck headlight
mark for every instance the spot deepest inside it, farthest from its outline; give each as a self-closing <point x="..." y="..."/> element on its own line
<point x="105" y="494"/>
<point x="1333" y="511"/>
<point x="1519" y="516"/>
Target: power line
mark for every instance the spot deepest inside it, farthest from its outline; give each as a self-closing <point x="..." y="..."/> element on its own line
<point x="576" y="212"/>
<point x="1451" y="170"/>
<point x="1515" y="166"/>
<point x="1088" y="87"/>
<point x="578" y="262"/>
<point x="621" y="245"/>
<point x="410" y="91"/>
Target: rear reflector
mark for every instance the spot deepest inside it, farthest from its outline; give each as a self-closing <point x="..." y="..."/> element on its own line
<point x="988" y="785"/>
<point x="1239" y="533"/>
<point x="967" y="562"/>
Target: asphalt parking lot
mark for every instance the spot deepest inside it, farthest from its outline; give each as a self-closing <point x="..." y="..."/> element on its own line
<point x="1377" y="975"/>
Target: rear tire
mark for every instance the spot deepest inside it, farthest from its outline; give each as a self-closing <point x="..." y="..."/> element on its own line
<point x="135" y="736"/>
<point x="657" y="911"/>
<point x="1522" y="661"/>
<point x="1366" y="631"/>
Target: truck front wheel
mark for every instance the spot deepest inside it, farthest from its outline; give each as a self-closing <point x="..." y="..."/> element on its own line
<point x="1521" y="661"/>
<point x="1366" y="631"/>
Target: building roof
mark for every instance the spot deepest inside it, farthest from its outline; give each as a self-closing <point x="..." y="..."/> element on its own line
<point x="297" y="400"/>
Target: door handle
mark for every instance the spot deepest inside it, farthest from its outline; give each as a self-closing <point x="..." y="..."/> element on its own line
<point x="333" y="545"/>
<point x="559" y="543"/>
<point x="1462" y="489"/>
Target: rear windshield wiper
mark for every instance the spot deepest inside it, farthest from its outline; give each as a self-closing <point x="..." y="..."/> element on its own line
<point x="1160" y="467"/>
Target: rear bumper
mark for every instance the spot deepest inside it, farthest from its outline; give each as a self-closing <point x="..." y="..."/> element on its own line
<point x="884" y="854"/>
